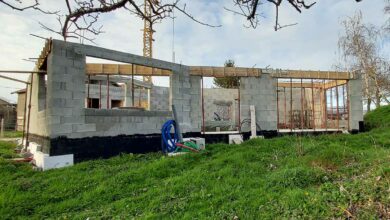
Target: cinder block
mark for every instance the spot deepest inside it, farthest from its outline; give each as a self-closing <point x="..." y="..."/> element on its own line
<point x="60" y="129"/>
<point x="84" y="127"/>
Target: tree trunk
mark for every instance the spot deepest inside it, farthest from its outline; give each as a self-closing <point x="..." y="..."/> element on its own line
<point x="368" y="104"/>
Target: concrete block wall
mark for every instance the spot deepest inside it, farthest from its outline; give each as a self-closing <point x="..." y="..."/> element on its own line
<point x="38" y="120"/>
<point x="214" y="96"/>
<point x="65" y="90"/>
<point x="355" y="92"/>
<point x="185" y="95"/>
<point x="113" y="122"/>
<point x="65" y="113"/>
<point x="159" y="98"/>
<point x="260" y="92"/>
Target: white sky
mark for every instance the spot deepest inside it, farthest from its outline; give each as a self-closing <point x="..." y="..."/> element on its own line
<point x="310" y="45"/>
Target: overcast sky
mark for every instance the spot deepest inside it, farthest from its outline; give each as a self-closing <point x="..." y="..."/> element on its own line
<point x="310" y="45"/>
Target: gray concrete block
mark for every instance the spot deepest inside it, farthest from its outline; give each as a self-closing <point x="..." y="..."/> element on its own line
<point x="83" y="127"/>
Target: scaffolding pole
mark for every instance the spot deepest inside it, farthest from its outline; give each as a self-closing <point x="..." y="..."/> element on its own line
<point x="29" y="110"/>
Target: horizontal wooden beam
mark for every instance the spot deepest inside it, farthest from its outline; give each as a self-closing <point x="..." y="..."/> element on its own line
<point x="124" y="69"/>
<point x="298" y="85"/>
<point x="316" y="85"/>
<point x="209" y="71"/>
<point x="308" y="74"/>
<point x="333" y="83"/>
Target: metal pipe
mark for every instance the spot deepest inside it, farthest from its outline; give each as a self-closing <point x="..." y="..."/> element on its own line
<point x="13" y="79"/>
<point x="337" y="106"/>
<point x="29" y="109"/>
<point x="25" y="114"/>
<point x="21" y="71"/>
<point x="203" y="121"/>
<point x="108" y="91"/>
<point x="312" y="101"/>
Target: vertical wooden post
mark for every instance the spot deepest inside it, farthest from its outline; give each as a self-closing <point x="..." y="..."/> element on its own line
<point x="325" y="108"/>
<point x="25" y="113"/>
<point x="132" y="85"/>
<point x="88" y="101"/>
<point x="331" y="105"/>
<point x="312" y="102"/>
<point x="348" y="105"/>
<point x="29" y="109"/>
<point x="203" y="120"/>
<point x="2" y="128"/>
<point x="291" y="114"/>
<point x="301" y="105"/>
<point x="337" y="106"/>
<point x="285" y="107"/>
<point x="100" y="94"/>
<point x="108" y="91"/>
<point x="239" y="105"/>
<point x="277" y="104"/>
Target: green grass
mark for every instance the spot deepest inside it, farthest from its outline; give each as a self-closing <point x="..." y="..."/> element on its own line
<point x="379" y="118"/>
<point x="330" y="176"/>
<point x="13" y="134"/>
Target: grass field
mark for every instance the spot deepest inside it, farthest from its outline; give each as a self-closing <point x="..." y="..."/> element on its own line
<point x="13" y="134"/>
<point x="330" y="176"/>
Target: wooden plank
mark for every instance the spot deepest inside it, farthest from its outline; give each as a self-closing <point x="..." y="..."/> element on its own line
<point x="124" y="69"/>
<point x="298" y="85"/>
<point x="315" y="85"/>
<point x="308" y="74"/>
<point x="208" y="71"/>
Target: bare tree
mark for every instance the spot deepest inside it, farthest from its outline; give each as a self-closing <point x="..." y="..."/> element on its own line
<point x="360" y="51"/>
<point x="82" y="15"/>
<point x="387" y="12"/>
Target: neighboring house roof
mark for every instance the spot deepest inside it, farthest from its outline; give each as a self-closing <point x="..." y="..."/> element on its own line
<point x="5" y="101"/>
<point x="19" y="91"/>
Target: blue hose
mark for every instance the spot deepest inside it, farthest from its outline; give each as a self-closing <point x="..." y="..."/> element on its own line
<point x="168" y="141"/>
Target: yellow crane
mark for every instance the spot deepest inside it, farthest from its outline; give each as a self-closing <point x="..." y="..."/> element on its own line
<point x="148" y="36"/>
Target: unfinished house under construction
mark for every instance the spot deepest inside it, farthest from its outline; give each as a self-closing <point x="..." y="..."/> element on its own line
<point x="96" y="110"/>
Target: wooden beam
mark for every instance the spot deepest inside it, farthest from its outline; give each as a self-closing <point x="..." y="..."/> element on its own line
<point x="316" y="85"/>
<point x="335" y="83"/>
<point x="307" y="74"/>
<point x="299" y="85"/>
<point x="209" y="71"/>
<point x="124" y="69"/>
